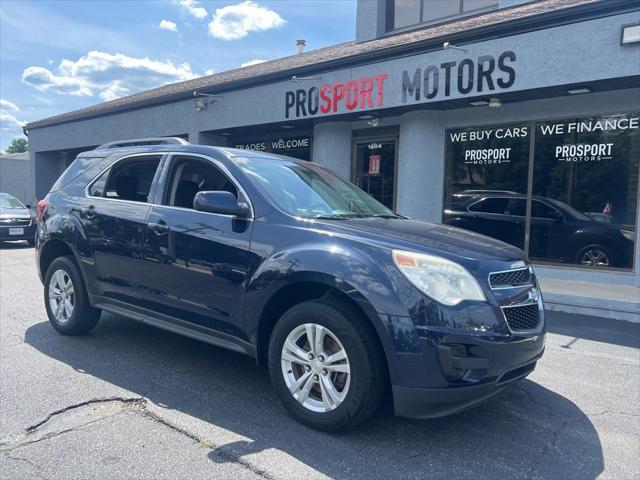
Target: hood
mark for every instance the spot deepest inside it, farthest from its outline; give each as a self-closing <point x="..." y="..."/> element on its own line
<point x="14" y="213"/>
<point x="428" y="237"/>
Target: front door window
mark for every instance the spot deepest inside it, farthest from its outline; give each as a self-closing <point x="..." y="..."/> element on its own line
<point x="375" y="166"/>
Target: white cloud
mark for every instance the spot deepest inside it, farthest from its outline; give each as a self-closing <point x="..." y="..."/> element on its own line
<point x="168" y="25"/>
<point x="252" y="62"/>
<point x="9" y="124"/>
<point x="209" y="71"/>
<point x="236" y="21"/>
<point x="7" y="105"/>
<point x="107" y="75"/>
<point x="194" y="8"/>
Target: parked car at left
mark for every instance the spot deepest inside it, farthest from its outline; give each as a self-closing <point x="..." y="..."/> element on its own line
<point x="17" y="221"/>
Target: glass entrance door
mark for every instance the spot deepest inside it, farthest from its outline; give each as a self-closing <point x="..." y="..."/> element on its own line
<point x="375" y="170"/>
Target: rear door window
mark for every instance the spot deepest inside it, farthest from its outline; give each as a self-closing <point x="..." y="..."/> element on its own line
<point x="129" y="179"/>
<point x="491" y="205"/>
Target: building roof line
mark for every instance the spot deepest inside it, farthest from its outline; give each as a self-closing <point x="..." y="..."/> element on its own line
<point x="517" y="19"/>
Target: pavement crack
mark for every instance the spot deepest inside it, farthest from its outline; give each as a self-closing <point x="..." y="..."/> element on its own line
<point x="80" y="415"/>
<point x="206" y="443"/>
<point x="73" y="417"/>
<point x="131" y="401"/>
<point x="546" y="448"/>
<point x="27" y="461"/>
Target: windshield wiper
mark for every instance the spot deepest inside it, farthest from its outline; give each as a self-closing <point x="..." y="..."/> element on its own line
<point x="331" y="217"/>
<point x="386" y="215"/>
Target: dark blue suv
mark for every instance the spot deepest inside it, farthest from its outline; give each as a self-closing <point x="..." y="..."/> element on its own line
<point x="282" y="260"/>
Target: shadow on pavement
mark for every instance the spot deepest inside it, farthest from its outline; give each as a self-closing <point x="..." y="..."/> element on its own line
<point x="16" y="245"/>
<point x="527" y="431"/>
<point x="596" y="329"/>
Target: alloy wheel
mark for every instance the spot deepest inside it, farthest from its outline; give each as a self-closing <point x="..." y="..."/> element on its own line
<point x="594" y="257"/>
<point x="61" y="296"/>
<point x="315" y="367"/>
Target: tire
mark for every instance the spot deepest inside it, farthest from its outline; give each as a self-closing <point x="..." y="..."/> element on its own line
<point x="600" y="256"/>
<point x="362" y="387"/>
<point x="83" y="317"/>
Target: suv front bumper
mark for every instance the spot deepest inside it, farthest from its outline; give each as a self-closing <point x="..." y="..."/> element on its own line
<point x="484" y="367"/>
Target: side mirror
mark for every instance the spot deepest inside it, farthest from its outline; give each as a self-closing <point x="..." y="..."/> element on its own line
<point x="28" y="205"/>
<point x="220" y="202"/>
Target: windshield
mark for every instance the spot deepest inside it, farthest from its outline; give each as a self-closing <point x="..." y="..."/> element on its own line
<point x="310" y="191"/>
<point x="7" y="201"/>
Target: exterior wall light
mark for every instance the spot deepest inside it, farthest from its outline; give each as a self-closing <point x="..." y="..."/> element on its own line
<point x="200" y="104"/>
<point x="495" y="102"/>
<point x="479" y="103"/>
<point x="630" y="34"/>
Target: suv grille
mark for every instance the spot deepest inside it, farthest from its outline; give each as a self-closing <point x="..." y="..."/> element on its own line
<point x="10" y="222"/>
<point x="510" y="278"/>
<point x="525" y="317"/>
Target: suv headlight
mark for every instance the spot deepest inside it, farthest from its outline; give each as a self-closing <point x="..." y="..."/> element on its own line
<point x="443" y="280"/>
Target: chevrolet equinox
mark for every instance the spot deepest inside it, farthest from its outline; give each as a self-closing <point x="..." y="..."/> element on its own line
<point x="282" y="260"/>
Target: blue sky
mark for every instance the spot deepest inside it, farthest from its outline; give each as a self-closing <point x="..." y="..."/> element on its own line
<point x="60" y="55"/>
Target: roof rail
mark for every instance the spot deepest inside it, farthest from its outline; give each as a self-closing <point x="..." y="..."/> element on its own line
<point x="135" y="142"/>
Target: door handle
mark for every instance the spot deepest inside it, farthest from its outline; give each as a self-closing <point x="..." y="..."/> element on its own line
<point x="159" y="228"/>
<point x="90" y="211"/>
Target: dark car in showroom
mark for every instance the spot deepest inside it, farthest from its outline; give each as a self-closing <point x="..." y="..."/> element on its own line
<point x="17" y="221"/>
<point x="559" y="232"/>
<point x="280" y="259"/>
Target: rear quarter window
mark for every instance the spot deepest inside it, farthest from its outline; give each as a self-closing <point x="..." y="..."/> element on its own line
<point x="77" y="168"/>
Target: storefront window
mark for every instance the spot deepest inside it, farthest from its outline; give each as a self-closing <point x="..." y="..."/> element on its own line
<point x="486" y="180"/>
<point x="586" y="170"/>
<point x="294" y="146"/>
<point x="584" y="188"/>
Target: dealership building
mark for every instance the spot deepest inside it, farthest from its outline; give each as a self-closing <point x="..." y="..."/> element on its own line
<point x="519" y="119"/>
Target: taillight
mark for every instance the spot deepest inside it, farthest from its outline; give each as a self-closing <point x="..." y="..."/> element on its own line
<point x="42" y="206"/>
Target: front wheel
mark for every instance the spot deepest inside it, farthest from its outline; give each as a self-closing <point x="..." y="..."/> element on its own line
<point x="66" y="299"/>
<point x="326" y="366"/>
<point x="595" y="256"/>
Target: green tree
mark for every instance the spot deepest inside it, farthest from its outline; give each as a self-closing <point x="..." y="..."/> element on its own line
<point x="18" y="145"/>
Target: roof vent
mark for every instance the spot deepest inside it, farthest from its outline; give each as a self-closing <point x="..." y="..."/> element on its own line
<point x="139" y="142"/>
<point x="301" y="44"/>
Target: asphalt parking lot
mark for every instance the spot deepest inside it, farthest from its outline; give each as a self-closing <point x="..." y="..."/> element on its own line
<point x="130" y="401"/>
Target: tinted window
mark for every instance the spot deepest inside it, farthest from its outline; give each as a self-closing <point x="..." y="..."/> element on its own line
<point x="491" y="205"/>
<point x="412" y="12"/>
<point x="131" y="179"/>
<point x="542" y="210"/>
<point x="435" y="9"/>
<point x="77" y="167"/>
<point x="190" y="176"/>
<point x="584" y="169"/>
<point x="97" y="187"/>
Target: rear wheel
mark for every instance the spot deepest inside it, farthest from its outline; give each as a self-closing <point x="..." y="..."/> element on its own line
<point x="66" y="299"/>
<point x="326" y="366"/>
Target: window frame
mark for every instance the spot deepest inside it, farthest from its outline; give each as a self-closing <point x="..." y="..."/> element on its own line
<point x="163" y="182"/>
<point x="112" y="165"/>
<point x="390" y="15"/>
<point x="532" y="122"/>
